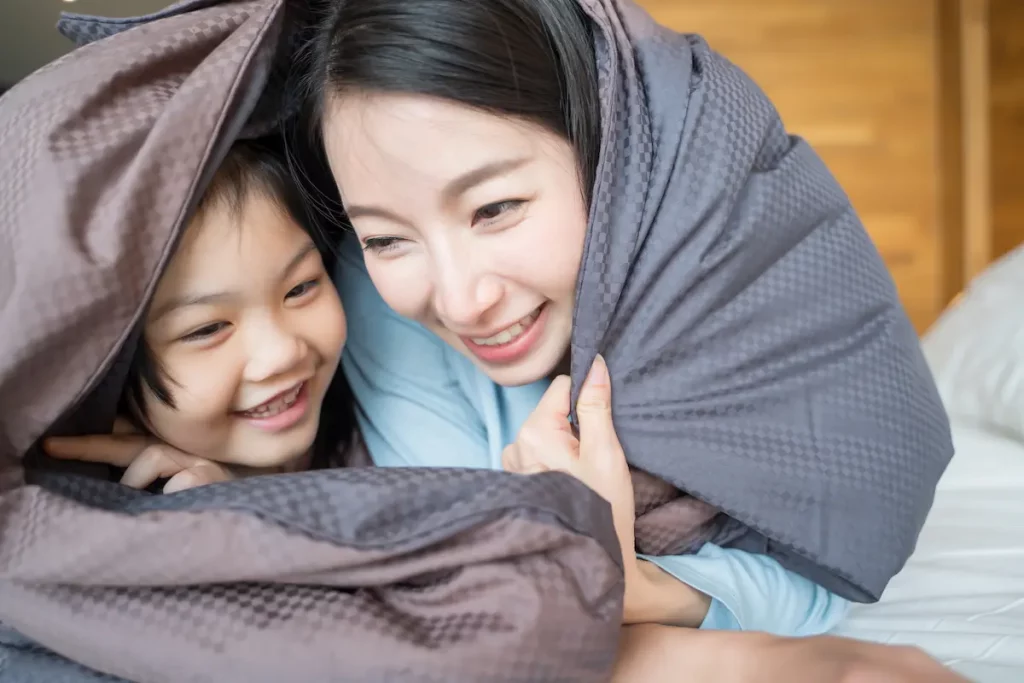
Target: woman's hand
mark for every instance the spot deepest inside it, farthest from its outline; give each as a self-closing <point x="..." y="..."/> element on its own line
<point x="145" y="459"/>
<point x="546" y="442"/>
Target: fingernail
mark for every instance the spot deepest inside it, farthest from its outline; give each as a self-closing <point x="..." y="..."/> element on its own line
<point x="598" y="375"/>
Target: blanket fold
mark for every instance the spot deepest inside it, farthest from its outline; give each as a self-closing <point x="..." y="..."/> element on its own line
<point x="760" y="357"/>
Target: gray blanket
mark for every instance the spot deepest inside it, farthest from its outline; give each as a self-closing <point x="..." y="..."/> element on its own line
<point x="761" y="360"/>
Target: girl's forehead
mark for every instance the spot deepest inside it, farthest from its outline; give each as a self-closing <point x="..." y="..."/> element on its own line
<point x="227" y="248"/>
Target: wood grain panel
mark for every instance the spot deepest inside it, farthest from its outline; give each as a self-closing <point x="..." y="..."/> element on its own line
<point x="858" y="80"/>
<point x="1006" y="84"/>
<point x="975" y="134"/>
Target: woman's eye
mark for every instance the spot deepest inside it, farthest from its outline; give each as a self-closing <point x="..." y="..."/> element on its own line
<point x="380" y="244"/>
<point x="492" y="211"/>
<point x="205" y="332"/>
<point x="303" y="288"/>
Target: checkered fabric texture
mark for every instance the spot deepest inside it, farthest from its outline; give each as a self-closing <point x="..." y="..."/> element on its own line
<point x="760" y="357"/>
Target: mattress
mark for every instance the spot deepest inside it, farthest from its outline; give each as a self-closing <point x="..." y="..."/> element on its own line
<point x="961" y="595"/>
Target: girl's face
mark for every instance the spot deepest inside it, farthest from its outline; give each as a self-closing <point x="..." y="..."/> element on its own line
<point x="248" y="330"/>
<point x="471" y="223"/>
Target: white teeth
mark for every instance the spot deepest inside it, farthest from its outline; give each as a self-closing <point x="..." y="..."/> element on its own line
<point x="508" y="334"/>
<point x="277" y="406"/>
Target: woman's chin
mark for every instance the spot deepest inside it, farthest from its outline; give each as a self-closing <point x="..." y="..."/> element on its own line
<point x="536" y="367"/>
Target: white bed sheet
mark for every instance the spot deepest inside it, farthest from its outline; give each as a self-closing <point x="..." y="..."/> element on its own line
<point x="961" y="595"/>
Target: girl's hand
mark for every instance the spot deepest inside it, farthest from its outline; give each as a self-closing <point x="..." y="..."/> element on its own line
<point x="145" y="459"/>
<point x="546" y="442"/>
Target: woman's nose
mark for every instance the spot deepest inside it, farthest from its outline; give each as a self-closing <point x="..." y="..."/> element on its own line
<point x="465" y="294"/>
<point x="273" y="351"/>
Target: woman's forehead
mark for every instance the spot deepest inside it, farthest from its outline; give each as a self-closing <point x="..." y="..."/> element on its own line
<point x="377" y="142"/>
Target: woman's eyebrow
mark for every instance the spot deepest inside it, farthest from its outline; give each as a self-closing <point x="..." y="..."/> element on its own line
<point x="451" y="192"/>
<point x="470" y="179"/>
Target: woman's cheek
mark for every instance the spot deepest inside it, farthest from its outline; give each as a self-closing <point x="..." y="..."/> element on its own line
<point x="405" y="287"/>
<point x="547" y="251"/>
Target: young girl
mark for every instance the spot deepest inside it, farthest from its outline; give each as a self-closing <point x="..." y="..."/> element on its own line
<point x="240" y="346"/>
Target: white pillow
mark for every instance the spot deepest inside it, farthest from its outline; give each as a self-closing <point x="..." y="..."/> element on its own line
<point x="976" y="349"/>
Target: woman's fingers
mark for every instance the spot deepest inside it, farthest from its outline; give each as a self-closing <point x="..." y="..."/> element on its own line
<point x="594" y="409"/>
<point x="118" y="450"/>
<point x="545" y="440"/>
<point x="511" y="459"/>
<point x="601" y="453"/>
<point x="539" y="450"/>
<point x="552" y="411"/>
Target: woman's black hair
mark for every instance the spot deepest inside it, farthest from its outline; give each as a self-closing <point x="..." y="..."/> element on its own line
<point x="530" y="59"/>
<point x="252" y="167"/>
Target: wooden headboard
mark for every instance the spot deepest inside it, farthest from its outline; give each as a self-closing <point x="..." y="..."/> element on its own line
<point x="917" y="106"/>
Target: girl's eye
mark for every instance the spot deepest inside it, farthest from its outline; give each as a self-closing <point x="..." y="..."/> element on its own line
<point x="303" y="288"/>
<point x="204" y="332"/>
<point x="380" y="244"/>
<point x="493" y="211"/>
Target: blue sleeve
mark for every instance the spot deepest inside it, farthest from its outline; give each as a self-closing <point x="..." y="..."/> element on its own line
<point x="755" y="593"/>
<point x="408" y="405"/>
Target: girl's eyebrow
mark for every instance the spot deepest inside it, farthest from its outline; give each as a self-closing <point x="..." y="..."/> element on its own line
<point x="189" y="300"/>
<point x="217" y="297"/>
<point x="299" y="257"/>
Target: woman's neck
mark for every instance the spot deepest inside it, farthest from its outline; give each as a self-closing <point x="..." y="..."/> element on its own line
<point x="562" y="367"/>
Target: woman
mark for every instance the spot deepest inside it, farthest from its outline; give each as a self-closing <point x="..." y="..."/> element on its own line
<point x="466" y="144"/>
<point x="498" y="288"/>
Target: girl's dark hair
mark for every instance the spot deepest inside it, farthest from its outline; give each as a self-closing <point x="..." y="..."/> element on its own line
<point x="532" y="59"/>
<point x="252" y="167"/>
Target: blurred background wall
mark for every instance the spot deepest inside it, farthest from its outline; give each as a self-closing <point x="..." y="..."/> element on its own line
<point x="917" y="106"/>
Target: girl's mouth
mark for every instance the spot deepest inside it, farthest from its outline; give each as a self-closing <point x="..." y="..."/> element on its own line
<point x="281" y="412"/>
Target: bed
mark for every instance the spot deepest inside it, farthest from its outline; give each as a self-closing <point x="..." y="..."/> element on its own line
<point x="961" y="595"/>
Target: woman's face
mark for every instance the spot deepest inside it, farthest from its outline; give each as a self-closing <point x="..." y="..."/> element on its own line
<point x="248" y="330"/>
<point x="471" y="223"/>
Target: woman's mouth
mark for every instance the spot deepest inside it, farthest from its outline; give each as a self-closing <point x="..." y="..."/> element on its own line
<point x="513" y="342"/>
<point x="281" y="412"/>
